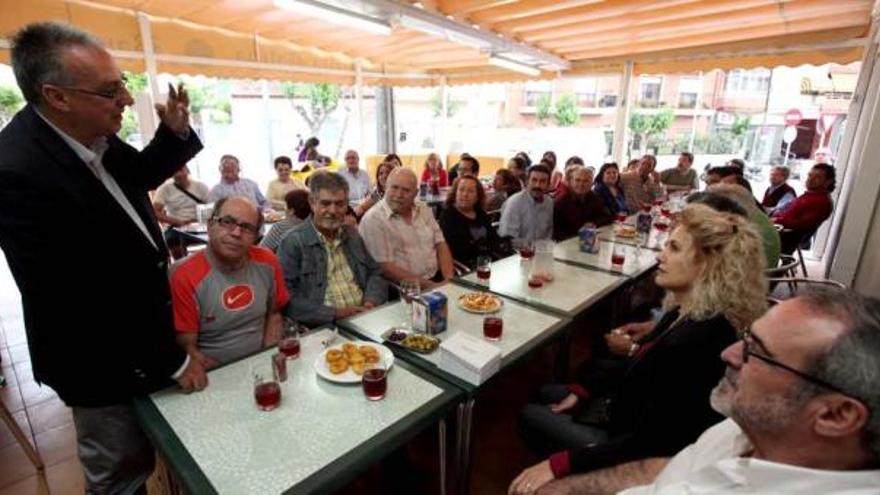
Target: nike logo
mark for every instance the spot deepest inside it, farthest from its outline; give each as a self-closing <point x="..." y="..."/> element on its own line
<point x="231" y="300"/>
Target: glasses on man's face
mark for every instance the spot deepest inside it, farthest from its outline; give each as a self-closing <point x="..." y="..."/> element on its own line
<point x="118" y="90"/>
<point x="229" y="223"/>
<point x="750" y="342"/>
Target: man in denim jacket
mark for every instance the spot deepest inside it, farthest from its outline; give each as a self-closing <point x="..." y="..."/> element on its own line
<point x="325" y="262"/>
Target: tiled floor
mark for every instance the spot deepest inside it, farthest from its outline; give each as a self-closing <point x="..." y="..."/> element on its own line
<point x="43" y="418"/>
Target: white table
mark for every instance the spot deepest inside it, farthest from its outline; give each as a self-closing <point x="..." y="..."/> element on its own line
<point x="571" y="292"/>
<point x="634" y="266"/>
<point x="321" y="436"/>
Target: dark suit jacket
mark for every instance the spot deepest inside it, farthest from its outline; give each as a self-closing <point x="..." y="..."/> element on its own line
<point x="97" y="306"/>
<point x="659" y="401"/>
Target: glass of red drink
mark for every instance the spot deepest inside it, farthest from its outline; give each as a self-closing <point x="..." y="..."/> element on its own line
<point x="289" y="342"/>
<point x="621" y="217"/>
<point x="375" y="381"/>
<point x="618" y="256"/>
<point x="267" y="392"/>
<point x="527" y="249"/>
<point x="536" y="280"/>
<point x="484" y="270"/>
<point x="492" y="328"/>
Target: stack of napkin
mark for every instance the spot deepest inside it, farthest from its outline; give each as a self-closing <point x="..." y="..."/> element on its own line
<point x="470" y="358"/>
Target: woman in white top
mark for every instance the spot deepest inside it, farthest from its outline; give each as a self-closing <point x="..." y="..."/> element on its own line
<point x="283" y="184"/>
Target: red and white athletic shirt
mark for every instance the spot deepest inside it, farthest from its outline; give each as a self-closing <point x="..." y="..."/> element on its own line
<point x="227" y="310"/>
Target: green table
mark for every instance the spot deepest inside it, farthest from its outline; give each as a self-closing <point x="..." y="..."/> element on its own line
<point x="322" y="435"/>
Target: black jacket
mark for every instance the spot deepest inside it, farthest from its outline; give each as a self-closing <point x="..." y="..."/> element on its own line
<point x="95" y="295"/>
<point x="465" y="249"/>
<point x="659" y="401"/>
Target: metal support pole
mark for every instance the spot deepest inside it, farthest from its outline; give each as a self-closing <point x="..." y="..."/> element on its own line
<point x="444" y="121"/>
<point x="699" y="104"/>
<point x="441" y="428"/>
<point x="267" y="112"/>
<point x="147" y="119"/>
<point x="359" y="103"/>
<point x="622" y="117"/>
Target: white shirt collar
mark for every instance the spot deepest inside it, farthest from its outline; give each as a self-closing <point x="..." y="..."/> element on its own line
<point x="85" y="154"/>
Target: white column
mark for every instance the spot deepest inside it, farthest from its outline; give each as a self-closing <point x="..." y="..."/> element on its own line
<point x="444" y="120"/>
<point x="622" y="117"/>
<point x="855" y="222"/>
<point x="696" y="113"/>
<point x="147" y="117"/>
<point x="267" y="112"/>
<point x="359" y="104"/>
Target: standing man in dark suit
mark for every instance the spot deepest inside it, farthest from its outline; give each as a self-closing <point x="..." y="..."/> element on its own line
<point x="98" y="315"/>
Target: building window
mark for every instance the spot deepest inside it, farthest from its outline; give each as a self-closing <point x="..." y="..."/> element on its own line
<point x="688" y="92"/>
<point x="608" y="101"/>
<point x="585" y="91"/>
<point x="535" y="90"/>
<point x="649" y="91"/>
<point x="747" y="82"/>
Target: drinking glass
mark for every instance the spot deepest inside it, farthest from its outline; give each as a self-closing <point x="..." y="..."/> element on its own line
<point x="267" y="390"/>
<point x="526" y="249"/>
<point x="290" y="334"/>
<point x="409" y="290"/>
<point x="493" y="326"/>
<point x="618" y="256"/>
<point x="375" y="380"/>
<point x="484" y="270"/>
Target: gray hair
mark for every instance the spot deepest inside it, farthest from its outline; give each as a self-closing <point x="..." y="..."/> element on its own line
<point x="853" y="360"/>
<point x="324" y="179"/>
<point x="785" y="171"/>
<point x="37" y="56"/>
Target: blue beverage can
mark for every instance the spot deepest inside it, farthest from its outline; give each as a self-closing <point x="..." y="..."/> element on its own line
<point x="423" y="189"/>
<point x="644" y="221"/>
<point x="588" y="240"/>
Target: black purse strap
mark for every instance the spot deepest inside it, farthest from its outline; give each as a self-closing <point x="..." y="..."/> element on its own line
<point x="191" y="195"/>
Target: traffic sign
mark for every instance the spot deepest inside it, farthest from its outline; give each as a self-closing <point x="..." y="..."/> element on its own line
<point x="793" y="117"/>
<point x="789" y="134"/>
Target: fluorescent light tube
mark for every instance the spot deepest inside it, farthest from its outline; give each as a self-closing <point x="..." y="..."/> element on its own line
<point x="335" y="15"/>
<point x="514" y="66"/>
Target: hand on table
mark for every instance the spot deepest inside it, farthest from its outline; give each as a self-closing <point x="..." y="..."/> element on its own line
<point x="193" y="377"/>
<point x="206" y="361"/>
<point x="175" y="112"/>
<point x="531" y="479"/>
<point x="618" y="343"/>
<point x="565" y="404"/>
<point x="342" y="313"/>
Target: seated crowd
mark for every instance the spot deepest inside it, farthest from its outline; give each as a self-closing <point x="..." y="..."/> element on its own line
<point x="647" y="414"/>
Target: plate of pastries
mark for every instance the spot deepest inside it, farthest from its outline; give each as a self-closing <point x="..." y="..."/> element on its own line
<point x="480" y="302"/>
<point x="345" y="363"/>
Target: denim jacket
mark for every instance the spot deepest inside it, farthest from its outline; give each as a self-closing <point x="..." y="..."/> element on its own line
<point x="304" y="262"/>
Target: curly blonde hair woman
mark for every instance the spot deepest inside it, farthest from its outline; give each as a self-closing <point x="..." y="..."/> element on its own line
<point x="657" y="401"/>
<point x="731" y="281"/>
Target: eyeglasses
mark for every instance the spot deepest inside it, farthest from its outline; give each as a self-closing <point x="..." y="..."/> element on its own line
<point x="229" y="223"/>
<point x="750" y="341"/>
<point x="110" y="94"/>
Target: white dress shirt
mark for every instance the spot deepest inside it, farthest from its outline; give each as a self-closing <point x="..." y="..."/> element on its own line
<point x="714" y="465"/>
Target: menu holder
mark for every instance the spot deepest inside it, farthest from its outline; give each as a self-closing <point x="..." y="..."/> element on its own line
<point x="470" y="358"/>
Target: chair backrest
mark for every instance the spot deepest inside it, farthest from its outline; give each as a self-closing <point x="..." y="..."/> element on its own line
<point x="797" y="285"/>
<point x="786" y="267"/>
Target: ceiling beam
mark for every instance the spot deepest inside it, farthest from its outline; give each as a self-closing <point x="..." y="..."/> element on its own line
<point x="744" y="19"/>
<point x="732" y="35"/>
<point x="531" y="8"/>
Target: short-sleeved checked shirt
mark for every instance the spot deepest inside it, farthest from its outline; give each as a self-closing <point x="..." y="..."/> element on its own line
<point x="411" y="245"/>
<point x="342" y="289"/>
<point x="639" y="192"/>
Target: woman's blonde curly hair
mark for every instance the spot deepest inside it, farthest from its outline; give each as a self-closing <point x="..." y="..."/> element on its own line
<point x="731" y="281"/>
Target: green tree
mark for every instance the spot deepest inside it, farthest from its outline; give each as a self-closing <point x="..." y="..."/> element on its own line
<point x="321" y="100"/>
<point x="643" y="126"/>
<point x="566" y="110"/>
<point x="543" y="108"/>
<point x="11" y="102"/>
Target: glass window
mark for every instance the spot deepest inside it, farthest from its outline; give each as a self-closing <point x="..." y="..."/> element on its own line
<point x="649" y="91"/>
<point x="747" y="82"/>
<point x="585" y="90"/>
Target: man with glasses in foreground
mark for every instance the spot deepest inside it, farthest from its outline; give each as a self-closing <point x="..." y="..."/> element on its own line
<point x="97" y="315"/>
<point x="802" y="394"/>
<point x="228" y="298"/>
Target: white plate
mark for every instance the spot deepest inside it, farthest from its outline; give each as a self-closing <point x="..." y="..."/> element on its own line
<point x="323" y="370"/>
<point x="481" y="311"/>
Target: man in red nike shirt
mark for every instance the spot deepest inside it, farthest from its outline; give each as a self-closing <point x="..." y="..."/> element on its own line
<point x="803" y="215"/>
<point x="228" y="298"/>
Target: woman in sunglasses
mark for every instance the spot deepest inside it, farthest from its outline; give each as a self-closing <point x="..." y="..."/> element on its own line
<point x="657" y="402"/>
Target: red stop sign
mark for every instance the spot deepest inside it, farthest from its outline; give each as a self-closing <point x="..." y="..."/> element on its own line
<point x="793" y="117"/>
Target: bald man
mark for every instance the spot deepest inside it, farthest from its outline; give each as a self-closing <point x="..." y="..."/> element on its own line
<point x="404" y="237"/>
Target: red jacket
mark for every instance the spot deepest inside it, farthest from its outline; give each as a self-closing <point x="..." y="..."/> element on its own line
<point x="806" y="212"/>
<point x="442" y="176"/>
